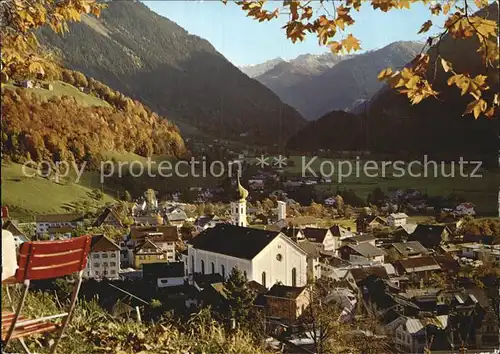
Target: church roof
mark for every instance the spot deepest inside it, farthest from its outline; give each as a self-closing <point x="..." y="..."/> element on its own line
<point x="234" y="241"/>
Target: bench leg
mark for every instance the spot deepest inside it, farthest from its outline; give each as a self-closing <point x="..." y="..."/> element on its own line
<point x="17" y="314"/>
<point x="66" y="320"/>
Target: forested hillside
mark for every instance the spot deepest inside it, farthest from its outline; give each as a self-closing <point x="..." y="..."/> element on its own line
<point x="60" y="127"/>
<point x="147" y="56"/>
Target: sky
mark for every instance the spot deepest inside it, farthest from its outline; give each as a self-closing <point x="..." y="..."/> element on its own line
<point x="245" y="41"/>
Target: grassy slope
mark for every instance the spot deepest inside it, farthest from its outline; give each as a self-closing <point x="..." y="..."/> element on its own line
<point x="64" y="89"/>
<point x="39" y="195"/>
<point x="28" y="196"/>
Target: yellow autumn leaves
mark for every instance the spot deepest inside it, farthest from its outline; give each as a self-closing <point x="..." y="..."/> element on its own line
<point x="20" y="55"/>
<point x="411" y="81"/>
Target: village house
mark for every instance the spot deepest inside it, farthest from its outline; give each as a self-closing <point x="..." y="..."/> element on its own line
<point x="313" y="259"/>
<point x="286" y="303"/>
<point x="369" y="223"/>
<point x="108" y="217"/>
<point x="265" y="256"/>
<point x="422" y="267"/>
<point x="340" y="232"/>
<point x="149" y="252"/>
<point x="295" y="234"/>
<point x="206" y="221"/>
<point x="409" y="249"/>
<point x="57" y="224"/>
<point x="410" y="334"/>
<point x="397" y="219"/>
<point x="430" y="236"/>
<point x="162" y="275"/>
<point x="104" y="259"/>
<point x="154" y="244"/>
<point x="357" y="240"/>
<point x="175" y="216"/>
<point x="321" y="238"/>
<point x="361" y="252"/>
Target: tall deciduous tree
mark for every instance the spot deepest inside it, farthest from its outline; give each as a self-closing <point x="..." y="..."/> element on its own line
<point x="327" y="19"/>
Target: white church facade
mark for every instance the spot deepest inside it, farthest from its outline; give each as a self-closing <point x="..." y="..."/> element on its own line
<point x="267" y="257"/>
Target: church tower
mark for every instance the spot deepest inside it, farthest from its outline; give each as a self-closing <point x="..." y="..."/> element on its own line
<point x="239" y="208"/>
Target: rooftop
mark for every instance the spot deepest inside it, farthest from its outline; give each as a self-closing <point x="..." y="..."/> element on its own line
<point x="284" y="291"/>
<point x="235" y="241"/>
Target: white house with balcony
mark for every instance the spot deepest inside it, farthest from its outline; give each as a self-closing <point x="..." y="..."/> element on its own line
<point x="266" y="257"/>
<point x="104" y="259"/>
<point x="397" y="219"/>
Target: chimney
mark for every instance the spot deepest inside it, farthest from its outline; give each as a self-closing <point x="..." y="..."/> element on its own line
<point x="281" y="210"/>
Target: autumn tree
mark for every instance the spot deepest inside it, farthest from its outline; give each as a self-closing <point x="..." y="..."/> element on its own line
<point x="321" y="320"/>
<point x="21" y="55"/>
<point x="328" y="20"/>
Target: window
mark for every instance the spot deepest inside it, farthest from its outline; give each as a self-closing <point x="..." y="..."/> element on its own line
<point x="264" y="278"/>
<point x="96" y="272"/>
<point x="294" y="276"/>
<point x="112" y="264"/>
<point x="113" y="272"/>
<point x="97" y="265"/>
<point x="223" y="271"/>
<point x="113" y="255"/>
<point x="104" y="255"/>
<point x="96" y="256"/>
<point x="105" y="264"/>
<point x="192" y="264"/>
<point x="105" y="272"/>
<point x="202" y="266"/>
<point x="213" y="267"/>
<point x="245" y="274"/>
<point x="279" y="257"/>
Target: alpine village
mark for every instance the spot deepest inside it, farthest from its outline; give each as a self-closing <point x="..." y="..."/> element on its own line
<point x="157" y="198"/>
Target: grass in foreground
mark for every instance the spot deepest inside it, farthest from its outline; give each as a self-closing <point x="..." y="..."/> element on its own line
<point x="93" y="330"/>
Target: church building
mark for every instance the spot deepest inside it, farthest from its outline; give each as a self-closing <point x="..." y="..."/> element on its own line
<point x="267" y="257"/>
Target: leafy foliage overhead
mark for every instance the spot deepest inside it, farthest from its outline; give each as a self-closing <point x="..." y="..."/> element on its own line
<point x="414" y="80"/>
<point x="21" y="56"/>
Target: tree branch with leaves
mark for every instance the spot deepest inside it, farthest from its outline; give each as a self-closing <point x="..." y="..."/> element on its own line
<point x="21" y="54"/>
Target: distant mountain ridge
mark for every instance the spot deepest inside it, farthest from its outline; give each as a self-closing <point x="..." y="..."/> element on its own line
<point x="310" y="82"/>
<point x="387" y="123"/>
<point x="181" y="76"/>
<point x="253" y="71"/>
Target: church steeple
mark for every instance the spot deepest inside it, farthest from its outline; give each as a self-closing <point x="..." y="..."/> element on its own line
<point x="243" y="192"/>
<point x="239" y="208"/>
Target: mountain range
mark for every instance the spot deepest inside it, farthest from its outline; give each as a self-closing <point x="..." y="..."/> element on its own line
<point x="388" y="123"/>
<point x="181" y="76"/>
<point x="318" y="84"/>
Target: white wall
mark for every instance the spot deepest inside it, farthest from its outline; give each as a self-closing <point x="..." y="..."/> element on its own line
<point x="330" y="243"/>
<point x="219" y="260"/>
<point x="166" y="282"/>
<point x="280" y="271"/>
<point x="100" y="261"/>
<point x="42" y="227"/>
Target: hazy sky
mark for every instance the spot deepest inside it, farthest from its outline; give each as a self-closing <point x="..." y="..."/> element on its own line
<point x="245" y="41"/>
